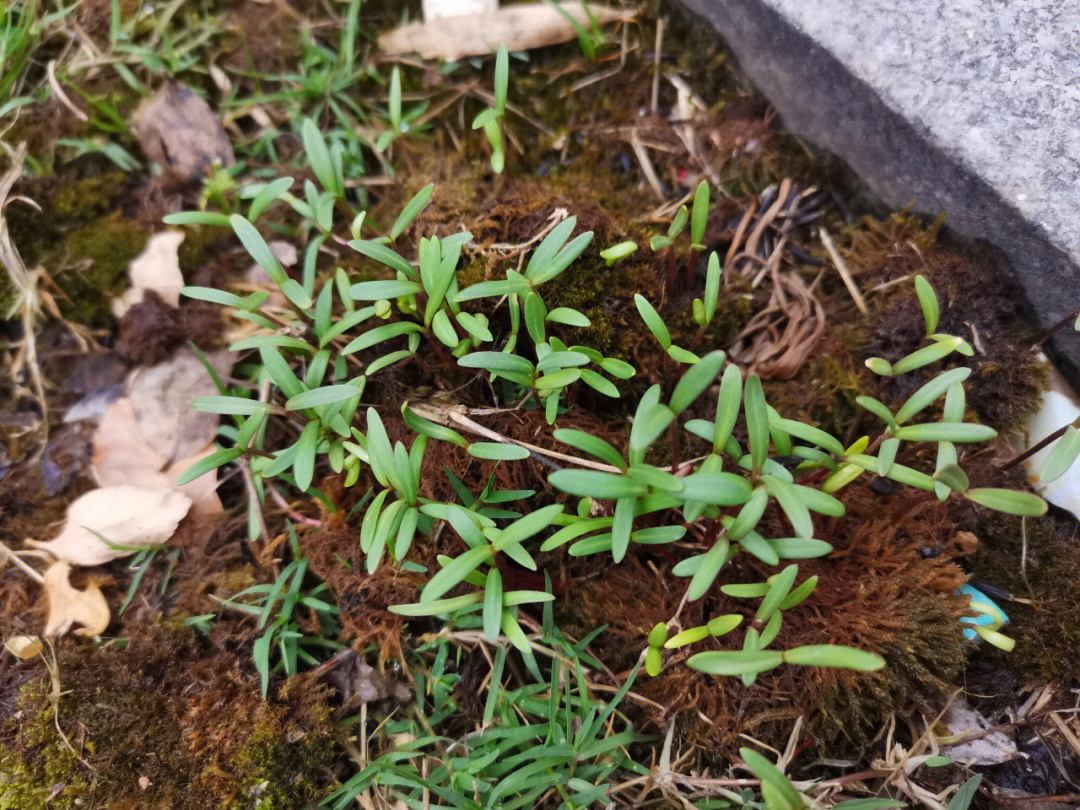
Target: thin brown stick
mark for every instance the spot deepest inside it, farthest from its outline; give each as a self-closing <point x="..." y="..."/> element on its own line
<point x="845" y="273"/>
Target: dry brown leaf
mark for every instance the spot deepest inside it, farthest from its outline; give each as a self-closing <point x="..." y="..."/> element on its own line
<point x="128" y="516"/>
<point x="24" y="646"/>
<point x="161" y="396"/>
<point x="68" y="605"/>
<point x="123" y="456"/>
<point x="518" y="27"/>
<point x="177" y="130"/>
<point x="157" y="268"/>
<point x="436" y="9"/>
<point x="203" y="490"/>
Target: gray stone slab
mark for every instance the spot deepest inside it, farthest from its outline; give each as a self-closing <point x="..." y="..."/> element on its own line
<point x="967" y="107"/>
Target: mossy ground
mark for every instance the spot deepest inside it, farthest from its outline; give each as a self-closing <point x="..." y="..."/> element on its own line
<point x="172" y="719"/>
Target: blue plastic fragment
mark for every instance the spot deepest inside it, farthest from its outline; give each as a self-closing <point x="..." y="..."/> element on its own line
<point x="978" y="596"/>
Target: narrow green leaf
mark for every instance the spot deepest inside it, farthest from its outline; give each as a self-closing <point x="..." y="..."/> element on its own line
<point x="590" y="444"/>
<point x="708" y="569"/>
<point x="952" y="477"/>
<point x="700" y="214"/>
<point x="598" y="383"/>
<point x="497" y="361"/>
<point x="769" y="774"/>
<point x="929" y="354"/>
<point x="878" y="409"/>
<point x="887" y="455"/>
<point x="880" y="366"/>
<point x="304" y="461"/>
<point x="563" y="259"/>
<point x="211" y="462"/>
<point x="436" y="607"/>
<point x="712" y="288"/>
<point x="930" y="392"/>
<point x="620" y="251"/>
<point x="455" y="572"/>
<point x="735" y="662"/>
<point x="1009" y="501"/>
<point x="811" y="434"/>
<point x="722" y="625"/>
<point x="792" y="503"/>
<point x="929" y="302"/>
<point x="695" y="380"/>
<point x="757" y="420"/>
<point x="498" y="451"/>
<point x="412" y="208"/>
<point x="384" y="255"/>
<point x="550" y="246"/>
<point x="652" y="320"/>
<point x="386" y="288"/>
<point x="1061" y="458"/>
<point x="232" y="406"/>
<point x="778" y="592"/>
<point x="621" y="527"/>
<point x="570" y="317"/>
<point x="829" y="655"/>
<point x="327" y="395"/>
<point x="381" y="333"/>
<point x="596" y="484"/>
<point x="691" y="635"/>
<point x="430" y="429"/>
<point x="492" y="289"/>
<point x="945" y="432"/>
<point x="617" y="368"/>
<point x="493" y="605"/>
<point x="718" y="489"/>
<point x="679" y="222"/>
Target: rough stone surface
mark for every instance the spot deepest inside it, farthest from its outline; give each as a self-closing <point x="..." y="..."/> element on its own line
<point x="968" y="107"/>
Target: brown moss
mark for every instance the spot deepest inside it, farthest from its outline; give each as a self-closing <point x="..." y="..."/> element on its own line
<point x="881" y="590"/>
<point x="151" y="330"/>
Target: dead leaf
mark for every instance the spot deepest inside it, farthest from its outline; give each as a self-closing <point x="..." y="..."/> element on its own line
<point x="518" y="27"/>
<point x="437" y="9"/>
<point x="123" y="456"/>
<point x="352" y="676"/>
<point x="177" y="130"/>
<point x="157" y="268"/>
<point x="161" y="396"/>
<point x="24" y="646"/>
<point x="987" y="748"/>
<point x="68" y="605"/>
<point x="128" y="516"/>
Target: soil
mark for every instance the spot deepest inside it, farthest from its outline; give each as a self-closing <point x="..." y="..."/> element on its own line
<point x="161" y="715"/>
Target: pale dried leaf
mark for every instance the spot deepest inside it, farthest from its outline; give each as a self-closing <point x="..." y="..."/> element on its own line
<point x="24" y="646"/>
<point x="128" y="516"/>
<point x="437" y="9"/>
<point x="177" y="130"/>
<point x="518" y="27"/>
<point x="203" y="490"/>
<point x="161" y="396"/>
<point x="69" y="606"/>
<point x="985" y="747"/>
<point x="123" y="456"/>
<point x="157" y="268"/>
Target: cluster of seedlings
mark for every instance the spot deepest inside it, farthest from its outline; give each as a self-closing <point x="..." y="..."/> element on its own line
<point x="574" y="483"/>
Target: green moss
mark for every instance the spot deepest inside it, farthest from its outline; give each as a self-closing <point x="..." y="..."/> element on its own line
<point x="32" y="769"/>
<point x="109" y="245"/>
